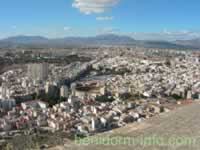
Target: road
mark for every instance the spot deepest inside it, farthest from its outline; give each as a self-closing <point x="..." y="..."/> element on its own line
<point x="175" y="130"/>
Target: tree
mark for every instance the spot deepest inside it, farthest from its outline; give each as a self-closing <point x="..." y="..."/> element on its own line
<point x="37" y="146"/>
<point x="104" y="98"/>
<point x="125" y="96"/>
<point x="9" y="146"/>
<point x="168" y="63"/>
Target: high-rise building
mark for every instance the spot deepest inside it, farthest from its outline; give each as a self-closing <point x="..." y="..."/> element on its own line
<point x="38" y="71"/>
<point x="4" y="91"/>
<point x="52" y="90"/>
<point x="64" y="91"/>
<point x="7" y="104"/>
<point x="73" y="89"/>
<point x="49" y="88"/>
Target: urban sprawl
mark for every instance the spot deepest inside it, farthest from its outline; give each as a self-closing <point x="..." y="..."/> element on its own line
<point x="92" y="90"/>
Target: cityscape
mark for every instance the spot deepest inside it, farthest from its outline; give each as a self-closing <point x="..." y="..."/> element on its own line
<point x="60" y="92"/>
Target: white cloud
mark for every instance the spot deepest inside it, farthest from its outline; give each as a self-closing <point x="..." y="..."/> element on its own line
<point x="94" y="6"/>
<point x="105" y="18"/>
<point x="107" y="30"/>
<point x="67" y="28"/>
<point x="166" y="31"/>
<point x="165" y="35"/>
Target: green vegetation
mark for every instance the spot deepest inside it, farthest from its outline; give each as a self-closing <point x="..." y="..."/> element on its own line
<point x="125" y="96"/>
<point x="177" y="97"/>
<point x="107" y="71"/>
<point x="195" y="96"/>
<point x="8" y="147"/>
<point x="50" y="99"/>
<point x="104" y="98"/>
<point x="35" y="141"/>
<point x="133" y="97"/>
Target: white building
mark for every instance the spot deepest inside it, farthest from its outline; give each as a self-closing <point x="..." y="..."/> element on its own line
<point x="64" y="92"/>
<point x="4" y="91"/>
<point x="38" y="71"/>
<point x="34" y="104"/>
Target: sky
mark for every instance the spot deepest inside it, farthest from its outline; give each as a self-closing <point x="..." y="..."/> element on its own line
<point x="140" y="19"/>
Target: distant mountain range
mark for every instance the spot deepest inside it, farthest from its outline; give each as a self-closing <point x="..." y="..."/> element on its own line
<point x="195" y="43"/>
<point x="108" y="39"/>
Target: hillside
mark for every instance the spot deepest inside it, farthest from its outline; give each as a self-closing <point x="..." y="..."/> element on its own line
<point x="182" y="123"/>
<point x="100" y="40"/>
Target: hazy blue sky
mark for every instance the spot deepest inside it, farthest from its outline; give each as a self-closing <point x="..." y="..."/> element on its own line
<point x="139" y="18"/>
